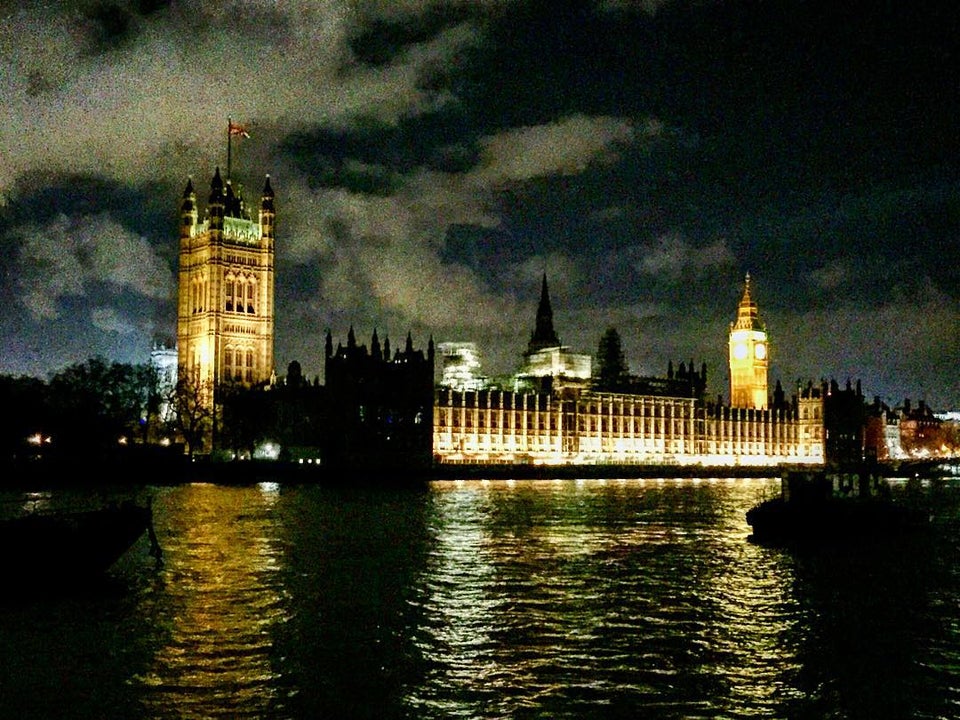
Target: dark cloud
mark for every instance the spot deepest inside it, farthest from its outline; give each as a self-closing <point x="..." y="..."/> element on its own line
<point x="432" y="159"/>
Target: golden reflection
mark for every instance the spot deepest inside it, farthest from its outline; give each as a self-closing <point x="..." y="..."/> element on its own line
<point x="575" y="574"/>
<point x="758" y="630"/>
<point x="220" y="597"/>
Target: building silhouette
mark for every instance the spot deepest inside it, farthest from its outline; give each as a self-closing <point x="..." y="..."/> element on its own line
<point x="378" y="405"/>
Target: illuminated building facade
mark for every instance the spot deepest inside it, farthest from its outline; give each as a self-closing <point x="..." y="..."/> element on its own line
<point x="493" y="426"/>
<point x="748" y="353"/>
<point x="163" y="360"/>
<point x="665" y="422"/>
<point x="460" y="366"/>
<point x="225" y="319"/>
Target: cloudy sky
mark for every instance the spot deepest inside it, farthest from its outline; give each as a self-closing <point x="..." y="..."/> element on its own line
<point x="432" y="159"/>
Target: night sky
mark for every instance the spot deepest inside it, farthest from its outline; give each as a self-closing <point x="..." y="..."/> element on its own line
<point x="431" y="160"/>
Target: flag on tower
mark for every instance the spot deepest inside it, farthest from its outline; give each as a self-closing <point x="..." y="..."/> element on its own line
<point x="237" y="130"/>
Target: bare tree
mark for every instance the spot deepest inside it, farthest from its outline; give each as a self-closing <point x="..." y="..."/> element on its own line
<point x="193" y="409"/>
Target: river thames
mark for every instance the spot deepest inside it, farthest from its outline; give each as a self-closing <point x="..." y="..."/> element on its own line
<point x="638" y="598"/>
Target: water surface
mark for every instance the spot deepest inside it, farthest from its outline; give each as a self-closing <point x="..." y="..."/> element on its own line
<point x="617" y="598"/>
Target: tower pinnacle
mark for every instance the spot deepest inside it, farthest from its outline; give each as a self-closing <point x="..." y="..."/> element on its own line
<point x="544" y="335"/>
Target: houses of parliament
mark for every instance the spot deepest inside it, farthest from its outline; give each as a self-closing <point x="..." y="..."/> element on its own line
<point x="554" y="411"/>
<point x="559" y="413"/>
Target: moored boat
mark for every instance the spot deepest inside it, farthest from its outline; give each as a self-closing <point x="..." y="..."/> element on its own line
<point x="57" y="548"/>
<point x="831" y="504"/>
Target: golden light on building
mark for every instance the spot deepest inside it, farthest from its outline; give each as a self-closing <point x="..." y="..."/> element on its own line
<point x="225" y="320"/>
<point x="570" y="420"/>
<point x="748" y="355"/>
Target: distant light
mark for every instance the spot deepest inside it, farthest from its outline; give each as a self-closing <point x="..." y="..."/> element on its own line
<point x="268" y="450"/>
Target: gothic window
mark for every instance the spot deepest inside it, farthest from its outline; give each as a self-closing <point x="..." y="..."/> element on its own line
<point x="249" y="375"/>
<point x="228" y="363"/>
<point x="250" y="287"/>
<point x="229" y="290"/>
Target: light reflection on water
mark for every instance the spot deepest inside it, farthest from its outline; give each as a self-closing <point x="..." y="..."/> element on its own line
<point x="214" y="604"/>
<point x="491" y="599"/>
<point x="622" y="594"/>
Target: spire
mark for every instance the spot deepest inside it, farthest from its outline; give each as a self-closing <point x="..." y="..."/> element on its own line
<point x="216" y="187"/>
<point x="544" y="335"/>
<point x="189" y="202"/>
<point x="747" y="315"/>
<point x="266" y="197"/>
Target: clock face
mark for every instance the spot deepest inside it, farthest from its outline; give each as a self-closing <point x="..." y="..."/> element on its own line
<point x="740" y="351"/>
<point x="760" y="350"/>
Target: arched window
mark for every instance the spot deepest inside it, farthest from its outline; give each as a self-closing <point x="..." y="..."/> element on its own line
<point x="229" y="290"/>
<point x="249" y="374"/>
<point x="251" y="286"/>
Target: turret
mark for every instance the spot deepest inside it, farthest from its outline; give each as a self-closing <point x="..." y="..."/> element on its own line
<point x="233" y="201"/>
<point x="188" y="212"/>
<point x="215" y="206"/>
<point x="268" y="215"/>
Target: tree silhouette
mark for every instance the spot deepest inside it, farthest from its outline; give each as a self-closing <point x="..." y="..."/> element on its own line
<point x="612" y="372"/>
<point x="194" y="411"/>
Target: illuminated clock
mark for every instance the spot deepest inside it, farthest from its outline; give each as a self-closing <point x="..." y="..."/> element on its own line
<point x="760" y="350"/>
<point x="740" y="351"/>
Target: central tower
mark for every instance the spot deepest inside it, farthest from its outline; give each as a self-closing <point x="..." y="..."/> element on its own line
<point x="748" y="355"/>
<point x="225" y="318"/>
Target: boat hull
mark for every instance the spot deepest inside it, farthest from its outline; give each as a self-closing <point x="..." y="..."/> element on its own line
<point x="781" y="522"/>
<point x="57" y="548"/>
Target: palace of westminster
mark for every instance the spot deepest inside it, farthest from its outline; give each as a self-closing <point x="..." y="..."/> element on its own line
<point x="554" y="411"/>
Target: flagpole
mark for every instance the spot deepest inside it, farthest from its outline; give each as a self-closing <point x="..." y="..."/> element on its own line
<point x="229" y="144"/>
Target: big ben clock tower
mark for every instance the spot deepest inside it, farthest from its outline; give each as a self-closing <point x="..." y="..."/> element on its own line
<point x="748" y="355"/>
